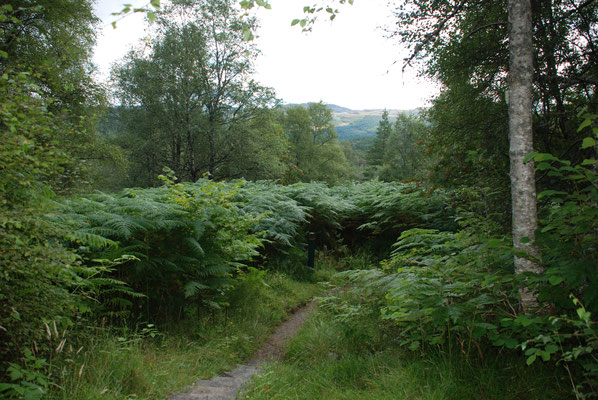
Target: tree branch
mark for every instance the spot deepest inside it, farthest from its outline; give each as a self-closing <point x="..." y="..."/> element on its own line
<point x="431" y="37"/>
<point x="479" y="28"/>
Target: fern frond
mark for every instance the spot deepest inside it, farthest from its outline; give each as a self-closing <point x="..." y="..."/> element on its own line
<point x="193" y="287"/>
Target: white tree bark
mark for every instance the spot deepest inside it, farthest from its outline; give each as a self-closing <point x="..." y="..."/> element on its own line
<point x="523" y="185"/>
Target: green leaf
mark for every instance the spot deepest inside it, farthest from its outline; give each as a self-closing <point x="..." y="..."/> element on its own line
<point x="586" y="122"/>
<point x="530" y="359"/>
<point x="525" y="239"/>
<point x="555" y="280"/>
<point x="155" y="3"/>
<point x="550" y="193"/>
<point x="247" y="4"/>
<point x="151" y="16"/>
<point x="544" y="157"/>
<point x="247" y="35"/>
<point x="583" y="314"/>
<point x="552" y="348"/>
<point x="589" y="161"/>
<point x="529" y="156"/>
<point x="414" y="345"/>
<point x="495" y="243"/>
<point x="545" y="355"/>
<point x="295" y="22"/>
<point x="588" y="142"/>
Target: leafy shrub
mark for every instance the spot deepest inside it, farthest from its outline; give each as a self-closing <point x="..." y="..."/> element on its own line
<point x="569" y="286"/>
<point x="282" y="219"/>
<point x="36" y="270"/>
<point x="179" y="244"/>
<point x="445" y="288"/>
<point x="442" y="287"/>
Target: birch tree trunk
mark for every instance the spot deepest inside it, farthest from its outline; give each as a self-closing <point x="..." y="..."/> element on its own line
<point x="523" y="185"/>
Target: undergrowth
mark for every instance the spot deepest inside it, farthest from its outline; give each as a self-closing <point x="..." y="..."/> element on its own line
<point x="344" y="351"/>
<point x="150" y="362"/>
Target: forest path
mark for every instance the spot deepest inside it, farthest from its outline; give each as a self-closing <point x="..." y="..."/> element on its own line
<point x="228" y="385"/>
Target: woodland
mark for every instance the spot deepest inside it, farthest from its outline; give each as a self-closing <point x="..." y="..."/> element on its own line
<point x="153" y="232"/>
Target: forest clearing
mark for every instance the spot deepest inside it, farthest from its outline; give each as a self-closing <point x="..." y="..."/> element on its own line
<point x="179" y="232"/>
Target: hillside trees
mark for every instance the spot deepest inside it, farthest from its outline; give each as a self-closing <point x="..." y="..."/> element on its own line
<point x="375" y="153"/>
<point x="191" y="103"/>
<point x="396" y="152"/>
<point x="317" y="153"/>
<point x="403" y="157"/>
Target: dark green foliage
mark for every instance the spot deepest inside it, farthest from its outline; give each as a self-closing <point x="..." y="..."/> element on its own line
<point x="360" y="144"/>
<point x="444" y="289"/>
<point x="466" y="149"/>
<point x="352" y="214"/>
<point x="345" y="352"/>
<point x="456" y="292"/>
<point x="316" y="153"/>
<point x="403" y="155"/>
<point x="468" y="54"/>
<point x="355" y="215"/>
<point x="375" y="153"/>
<point x="191" y="103"/>
<point x="36" y="270"/>
<point x="397" y="152"/>
<point x="282" y="220"/>
<point x="53" y="40"/>
<point x="182" y="244"/>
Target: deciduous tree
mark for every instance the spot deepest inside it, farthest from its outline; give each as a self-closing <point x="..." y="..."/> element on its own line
<point x="314" y="144"/>
<point x="192" y="100"/>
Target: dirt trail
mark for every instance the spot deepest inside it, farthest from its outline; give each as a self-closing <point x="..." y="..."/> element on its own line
<point x="227" y="386"/>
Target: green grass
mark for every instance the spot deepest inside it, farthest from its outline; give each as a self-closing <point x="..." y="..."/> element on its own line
<point x="137" y="365"/>
<point x="330" y="359"/>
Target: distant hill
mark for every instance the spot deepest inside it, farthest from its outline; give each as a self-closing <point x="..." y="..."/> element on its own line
<point x="352" y="124"/>
<point x="360" y="123"/>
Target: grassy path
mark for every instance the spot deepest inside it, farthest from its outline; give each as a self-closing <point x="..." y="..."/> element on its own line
<point x="227" y="385"/>
<point x="140" y="366"/>
<point x="336" y="358"/>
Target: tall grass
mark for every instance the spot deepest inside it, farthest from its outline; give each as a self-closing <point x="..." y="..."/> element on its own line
<point x="355" y="358"/>
<point x="149" y="363"/>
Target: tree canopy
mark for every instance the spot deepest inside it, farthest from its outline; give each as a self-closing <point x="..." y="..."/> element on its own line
<point x="191" y="103"/>
<point x="315" y="148"/>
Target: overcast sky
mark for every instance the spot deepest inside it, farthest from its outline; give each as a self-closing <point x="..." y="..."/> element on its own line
<point x="347" y="62"/>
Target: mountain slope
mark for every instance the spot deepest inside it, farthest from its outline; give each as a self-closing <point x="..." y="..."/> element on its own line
<point x="352" y="124"/>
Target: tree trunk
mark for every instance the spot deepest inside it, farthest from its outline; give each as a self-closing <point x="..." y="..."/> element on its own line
<point x="523" y="186"/>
